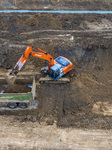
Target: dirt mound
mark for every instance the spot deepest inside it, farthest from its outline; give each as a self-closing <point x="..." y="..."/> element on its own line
<point x="17" y="88"/>
<point x="57" y="5"/>
<point x="73" y="104"/>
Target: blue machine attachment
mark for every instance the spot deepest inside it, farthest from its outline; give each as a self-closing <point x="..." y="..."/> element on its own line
<point x="56" y="71"/>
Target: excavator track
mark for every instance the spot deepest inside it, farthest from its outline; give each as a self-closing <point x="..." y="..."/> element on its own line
<point x="47" y="79"/>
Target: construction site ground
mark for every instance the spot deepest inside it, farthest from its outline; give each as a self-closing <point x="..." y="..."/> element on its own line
<point x="28" y="134"/>
<point x="77" y="115"/>
<point x="57" y="4"/>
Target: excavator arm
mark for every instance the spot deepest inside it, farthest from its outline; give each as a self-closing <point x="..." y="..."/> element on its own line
<point x="41" y="54"/>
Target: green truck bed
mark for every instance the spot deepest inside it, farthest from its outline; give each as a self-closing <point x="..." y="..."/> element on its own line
<point x="19" y="97"/>
<point x="16" y="97"/>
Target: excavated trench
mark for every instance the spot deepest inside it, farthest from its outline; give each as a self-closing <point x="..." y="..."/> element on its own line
<point x="86" y="41"/>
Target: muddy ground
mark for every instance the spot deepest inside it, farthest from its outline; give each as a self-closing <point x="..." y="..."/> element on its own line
<point x="57" y="4"/>
<point x="85" y="39"/>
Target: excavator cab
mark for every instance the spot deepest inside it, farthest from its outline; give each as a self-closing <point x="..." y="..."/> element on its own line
<point x="60" y="68"/>
<point x="56" y="71"/>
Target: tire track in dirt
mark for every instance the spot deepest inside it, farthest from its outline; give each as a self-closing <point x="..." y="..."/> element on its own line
<point x="28" y="135"/>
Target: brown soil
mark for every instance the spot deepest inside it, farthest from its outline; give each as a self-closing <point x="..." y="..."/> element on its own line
<point x="83" y="38"/>
<point x="84" y="103"/>
<point x="72" y="104"/>
<point x="17" y="88"/>
<point x="57" y="4"/>
<point x="29" y="135"/>
<point x="57" y="34"/>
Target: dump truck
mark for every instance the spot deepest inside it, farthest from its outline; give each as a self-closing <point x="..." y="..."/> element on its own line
<point x="19" y="100"/>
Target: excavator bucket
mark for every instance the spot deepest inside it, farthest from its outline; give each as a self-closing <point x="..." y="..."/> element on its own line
<point x="10" y="79"/>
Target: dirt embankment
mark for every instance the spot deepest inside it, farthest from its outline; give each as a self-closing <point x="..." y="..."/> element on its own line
<point x="16" y="134"/>
<point x="57" y="4"/>
<point x="75" y="36"/>
<point x="86" y="41"/>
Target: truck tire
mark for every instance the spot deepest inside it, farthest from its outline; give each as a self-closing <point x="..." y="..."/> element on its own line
<point x="23" y="105"/>
<point x="12" y="105"/>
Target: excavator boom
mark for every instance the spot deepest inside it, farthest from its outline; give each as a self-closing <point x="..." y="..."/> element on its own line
<point x="25" y="56"/>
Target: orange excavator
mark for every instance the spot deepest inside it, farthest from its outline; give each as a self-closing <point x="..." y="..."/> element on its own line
<point x="55" y="69"/>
